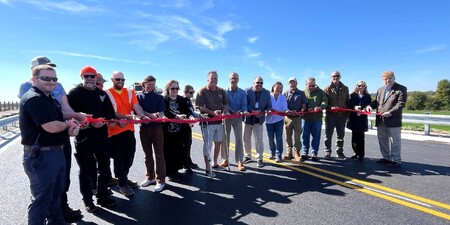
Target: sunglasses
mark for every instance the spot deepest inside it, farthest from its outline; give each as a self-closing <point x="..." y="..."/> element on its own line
<point x="259" y="82"/>
<point x="44" y="78"/>
<point x="119" y="79"/>
<point x="311" y="85"/>
<point x="191" y="92"/>
<point x="174" y="88"/>
<point x="89" y="76"/>
<point x="361" y="85"/>
<point x="336" y="76"/>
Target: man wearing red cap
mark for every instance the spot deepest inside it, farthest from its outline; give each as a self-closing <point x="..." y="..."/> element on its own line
<point x="91" y="143"/>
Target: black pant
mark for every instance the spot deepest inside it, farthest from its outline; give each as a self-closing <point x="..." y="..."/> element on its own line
<point x="173" y="152"/>
<point x="358" y="143"/>
<point x="123" y="148"/>
<point x="68" y="156"/>
<point x="186" y="140"/>
<point x="90" y="152"/>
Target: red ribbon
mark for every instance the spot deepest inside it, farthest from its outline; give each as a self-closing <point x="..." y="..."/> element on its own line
<point x="216" y="118"/>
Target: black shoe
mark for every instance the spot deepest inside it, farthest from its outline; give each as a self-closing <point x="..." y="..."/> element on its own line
<point x="71" y="215"/>
<point x="106" y="202"/>
<point x="188" y="171"/>
<point x="354" y="157"/>
<point x="113" y="181"/>
<point x="90" y="207"/>
<point x="360" y="158"/>
<point x="384" y="161"/>
<point x="394" y="164"/>
<point x="314" y="158"/>
<point x="193" y="166"/>
<point x="132" y="184"/>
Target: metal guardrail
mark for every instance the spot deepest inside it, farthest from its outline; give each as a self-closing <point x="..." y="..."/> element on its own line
<point x="8" y="120"/>
<point x="424" y="119"/>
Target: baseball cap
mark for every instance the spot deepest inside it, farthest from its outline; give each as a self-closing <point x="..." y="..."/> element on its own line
<point x="100" y="78"/>
<point x="292" y="79"/>
<point x="41" y="60"/>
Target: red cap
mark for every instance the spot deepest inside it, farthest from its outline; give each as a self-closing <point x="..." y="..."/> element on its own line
<point x="88" y="69"/>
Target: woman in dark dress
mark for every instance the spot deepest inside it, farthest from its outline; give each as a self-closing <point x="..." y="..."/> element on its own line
<point x="176" y="108"/>
<point x="357" y="122"/>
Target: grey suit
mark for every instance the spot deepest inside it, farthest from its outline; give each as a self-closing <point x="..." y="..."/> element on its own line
<point x="389" y="128"/>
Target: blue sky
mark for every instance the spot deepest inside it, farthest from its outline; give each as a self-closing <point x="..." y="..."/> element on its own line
<point x="182" y="40"/>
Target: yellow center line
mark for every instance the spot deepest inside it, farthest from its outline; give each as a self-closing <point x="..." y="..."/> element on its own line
<point x="363" y="189"/>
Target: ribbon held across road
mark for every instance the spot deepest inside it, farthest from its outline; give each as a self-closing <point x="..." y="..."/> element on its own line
<point x="216" y="118"/>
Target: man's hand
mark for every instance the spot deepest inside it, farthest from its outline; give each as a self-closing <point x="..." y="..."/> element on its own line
<point x="386" y="114"/>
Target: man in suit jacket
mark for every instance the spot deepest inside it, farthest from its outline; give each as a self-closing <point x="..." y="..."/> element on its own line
<point x="389" y="102"/>
<point x="258" y="100"/>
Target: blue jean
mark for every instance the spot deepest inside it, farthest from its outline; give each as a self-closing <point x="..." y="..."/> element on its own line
<point x="47" y="182"/>
<point x="311" y="128"/>
<point x="275" y="132"/>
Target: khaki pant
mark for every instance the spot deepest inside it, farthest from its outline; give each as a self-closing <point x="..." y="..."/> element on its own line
<point x="257" y="131"/>
<point x="293" y="126"/>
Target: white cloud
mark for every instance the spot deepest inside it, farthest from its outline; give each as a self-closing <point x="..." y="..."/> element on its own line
<point x="250" y="53"/>
<point x="69" y="6"/>
<point x="208" y="34"/>
<point x="430" y="49"/>
<point x="252" y="40"/>
<point x="99" y="57"/>
<point x="6" y="2"/>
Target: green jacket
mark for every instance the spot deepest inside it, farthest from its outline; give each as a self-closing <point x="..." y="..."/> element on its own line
<point x="337" y="96"/>
<point x="315" y="98"/>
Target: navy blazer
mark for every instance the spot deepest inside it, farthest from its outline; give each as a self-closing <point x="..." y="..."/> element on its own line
<point x="394" y="103"/>
<point x="265" y="104"/>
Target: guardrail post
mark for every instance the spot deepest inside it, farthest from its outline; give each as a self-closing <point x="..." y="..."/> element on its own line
<point x="426" y="129"/>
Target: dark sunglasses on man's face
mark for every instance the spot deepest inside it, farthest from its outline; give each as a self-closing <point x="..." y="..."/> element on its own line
<point x="89" y="76"/>
<point x="191" y="92"/>
<point x="44" y="78"/>
<point x="259" y="83"/>
<point x="119" y="79"/>
<point x="174" y="88"/>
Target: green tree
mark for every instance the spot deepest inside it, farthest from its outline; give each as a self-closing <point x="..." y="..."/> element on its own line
<point x="416" y="100"/>
<point x="433" y="104"/>
<point x="443" y="93"/>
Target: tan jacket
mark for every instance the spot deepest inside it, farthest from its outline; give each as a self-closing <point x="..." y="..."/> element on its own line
<point x="339" y="98"/>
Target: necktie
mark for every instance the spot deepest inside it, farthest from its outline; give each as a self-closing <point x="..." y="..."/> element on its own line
<point x="386" y="92"/>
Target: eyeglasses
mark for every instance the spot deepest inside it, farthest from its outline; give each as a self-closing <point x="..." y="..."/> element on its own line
<point x="89" y="76"/>
<point x="119" y="79"/>
<point x="191" y="92"/>
<point x="174" y="88"/>
<point x="259" y="82"/>
<point x="336" y="76"/>
<point x="311" y="85"/>
<point x="44" y="78"/>
<point x="361" y="85"/>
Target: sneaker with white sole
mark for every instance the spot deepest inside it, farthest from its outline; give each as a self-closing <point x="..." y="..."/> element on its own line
<point x="147" y="182"/>
<point x="259" y="163"/>
<point x="159" y="187"/>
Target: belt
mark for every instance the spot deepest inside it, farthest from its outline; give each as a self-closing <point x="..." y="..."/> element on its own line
<point x="44" y="148"/>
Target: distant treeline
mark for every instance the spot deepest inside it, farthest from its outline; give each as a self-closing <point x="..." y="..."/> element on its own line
<point x="430" y="100"/>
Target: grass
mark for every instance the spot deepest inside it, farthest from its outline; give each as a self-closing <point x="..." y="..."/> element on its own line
<point x="420" y="127"/>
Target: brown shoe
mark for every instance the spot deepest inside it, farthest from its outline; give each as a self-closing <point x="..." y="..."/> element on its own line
<point x="224" y="164"/>
<point x="288" y="157"/>
<point x="241" y="167"/>
<point x="296" y="156"/>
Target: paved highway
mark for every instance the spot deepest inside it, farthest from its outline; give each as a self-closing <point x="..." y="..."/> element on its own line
<point x="327" y="192"/>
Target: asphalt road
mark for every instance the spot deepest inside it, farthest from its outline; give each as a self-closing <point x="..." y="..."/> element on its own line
<point x="327" y="192"/>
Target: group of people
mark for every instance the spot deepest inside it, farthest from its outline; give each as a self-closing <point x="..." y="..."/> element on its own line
<point x="49" y="116"/>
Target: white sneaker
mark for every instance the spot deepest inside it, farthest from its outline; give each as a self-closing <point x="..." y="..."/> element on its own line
<point x="147" y="182"/>
<point x="159" y="187"/>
